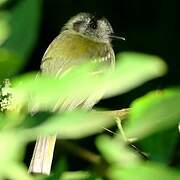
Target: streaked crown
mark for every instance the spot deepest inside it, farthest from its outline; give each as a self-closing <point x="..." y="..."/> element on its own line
<point x="91" y="27"/>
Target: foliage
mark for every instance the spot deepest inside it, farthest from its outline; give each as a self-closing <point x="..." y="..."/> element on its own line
<point x="154" y="116"/>
<point x="18" y="32"/>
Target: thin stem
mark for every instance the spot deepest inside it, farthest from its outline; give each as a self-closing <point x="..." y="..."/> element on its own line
<point x="119" y="125"/>
<point x="81" y="152"/>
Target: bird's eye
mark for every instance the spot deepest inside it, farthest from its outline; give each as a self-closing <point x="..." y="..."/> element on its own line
<point x="93" y="24"/>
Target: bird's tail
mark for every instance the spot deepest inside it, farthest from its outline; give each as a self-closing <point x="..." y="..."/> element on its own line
<point x="43" y="154"/>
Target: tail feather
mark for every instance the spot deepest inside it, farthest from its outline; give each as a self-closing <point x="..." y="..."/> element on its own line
<point x="43" y="154"/>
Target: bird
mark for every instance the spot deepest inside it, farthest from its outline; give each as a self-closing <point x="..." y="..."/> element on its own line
<point x="84" y="37"/>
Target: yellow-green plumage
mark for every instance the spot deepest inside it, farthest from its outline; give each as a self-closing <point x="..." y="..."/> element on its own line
<point x="71" y="48"/>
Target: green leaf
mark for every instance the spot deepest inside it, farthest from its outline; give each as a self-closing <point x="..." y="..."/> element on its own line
<point x="12" y="147"/>
<point x="60" y="167"/>
<point x="134" y="69"/>
<point x="4" y="27"/>
<point x="71" y="125"/>
<point x="2" y="2"/>
<point x="9" y="63"/>
<point x="146" y="171"/>
<point x="76" y="175"/>
<point x="160" y="146"/>
<point x="153" y="112"/>
<point x="11" y="144"/>
<point x="25" y="21"/>
<point x="16" y="171"/>
<point x="115" y="152"/>
<point x="7" y="147"/>
<point x="37" y="91"/>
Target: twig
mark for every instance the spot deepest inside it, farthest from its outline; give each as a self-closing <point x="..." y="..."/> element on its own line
<point x="119" y="125"/>
<point x="116" y="114"/>
<point x="81" y="152"/>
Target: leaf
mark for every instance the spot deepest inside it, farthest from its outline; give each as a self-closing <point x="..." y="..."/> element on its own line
<point x="153" y="112"/>
<point x="2" y="2"/>
<point x="134" y="69"/>
<point x="25" y="21"/>
<point x="16" y="171"/>
<point x="146" y="171"/>
<point x="115" y="152"/>
<point x="9" y="63"/>
<point x="160" y="146"/>
<point x="125" y="77"/>
<point x="60" y="167"/>
<point x="37" y="91"/>
<point x="4" y="26"/>
<point x="12" y="147"/>
<point x="71" y="125"/>
<point x="76" y="175"/>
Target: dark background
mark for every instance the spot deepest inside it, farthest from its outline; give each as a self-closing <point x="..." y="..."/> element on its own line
<point x="148" y="26"/>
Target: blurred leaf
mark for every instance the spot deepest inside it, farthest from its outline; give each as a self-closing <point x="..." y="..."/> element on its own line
<point x="1" y="120"/>
<point x="8" y="145"/>
<point x="160" y="146"/>
<point x="37" y="119"/>
<point x="37" y="91"/>
<point x="146" y="171"/>
<point x="4" y="27"/>
<point x="76" y="175"/>
<point x="71" y="125"/>
<point x="153" y="112"/>
<point x="9" y="63"/>
<point x="134" y="69"/>
<point x="2" y="2"/>
<point x="25" y="21"/>
<point x="16" y="171"/>
<point x="125" y="77"/>
<point x="115" y="152"/>
<point x="12" y="148"/>
<point x="11" y="144"/>
<point x="61" y="167"/>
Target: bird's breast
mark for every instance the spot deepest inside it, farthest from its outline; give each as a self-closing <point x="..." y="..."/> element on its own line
<point x="75" y="47"/>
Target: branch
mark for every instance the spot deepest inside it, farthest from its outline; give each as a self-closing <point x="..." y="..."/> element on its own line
<point x="116" y="114"/>
<point x="81" y="152"/>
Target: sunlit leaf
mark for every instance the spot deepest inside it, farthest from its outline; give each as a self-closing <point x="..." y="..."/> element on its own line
<point x="11" y="144"/>
<point x="12" y="147"/>
<point x="146" y="171"/>
<point x="154" y="112"/>
<point x="125" y="77"/>
<point x="16" y="171"/>
<point x="115" y="152"/>
<point x="2" y="2"/>
<point x="134" y="69"/>
<point x="8" y="145"/>
<point x="71" y="125"/>
<point x="37" y="91"/>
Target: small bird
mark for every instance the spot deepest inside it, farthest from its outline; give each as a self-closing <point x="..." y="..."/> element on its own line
<point x="84" y="37"/>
